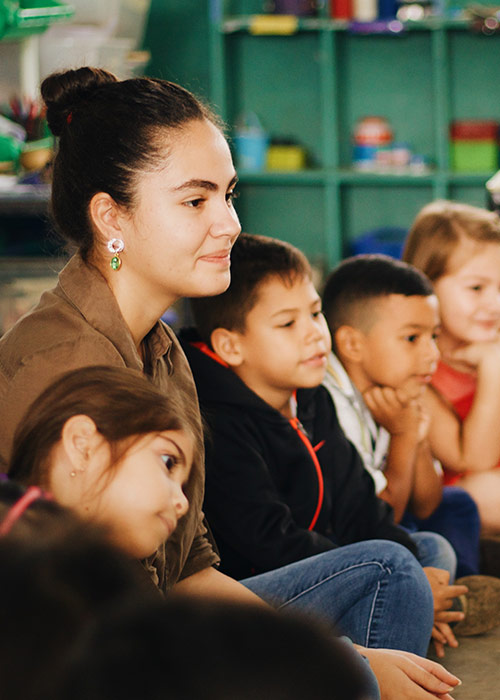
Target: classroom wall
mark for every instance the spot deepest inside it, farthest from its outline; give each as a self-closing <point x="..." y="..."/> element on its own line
<point x="177" y="36"/>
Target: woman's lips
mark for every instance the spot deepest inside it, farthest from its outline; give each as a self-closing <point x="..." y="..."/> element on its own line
<point x="221" y="257"/>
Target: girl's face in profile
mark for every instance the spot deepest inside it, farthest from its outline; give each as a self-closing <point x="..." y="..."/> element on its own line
<point x="141" y="498"/>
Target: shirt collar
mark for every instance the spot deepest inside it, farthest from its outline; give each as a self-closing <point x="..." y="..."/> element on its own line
<point x="337" y="376"/>
<point x="336" y="371"/>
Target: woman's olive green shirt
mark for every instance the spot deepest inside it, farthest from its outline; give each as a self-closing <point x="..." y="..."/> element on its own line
<point x="78" y="324"/>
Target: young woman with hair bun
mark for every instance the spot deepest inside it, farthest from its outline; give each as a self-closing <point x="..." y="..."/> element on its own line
<point x="142" y="187"/>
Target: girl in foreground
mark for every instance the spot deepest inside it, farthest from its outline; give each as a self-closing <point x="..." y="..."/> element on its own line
<point x="143" y="186"/>
<point x="111" y="447"/>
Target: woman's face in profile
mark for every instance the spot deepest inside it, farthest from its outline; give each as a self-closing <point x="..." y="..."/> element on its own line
<point x="179" y="236"/>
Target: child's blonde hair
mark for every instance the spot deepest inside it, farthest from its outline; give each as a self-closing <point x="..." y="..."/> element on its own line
<point x="438" y="229"/>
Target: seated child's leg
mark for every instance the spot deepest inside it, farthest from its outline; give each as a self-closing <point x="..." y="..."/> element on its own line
<point x="457" y="519"/>
<point x="435" y="550"/>
<point x="375" y="592"/>
<point x="484" y="487"/>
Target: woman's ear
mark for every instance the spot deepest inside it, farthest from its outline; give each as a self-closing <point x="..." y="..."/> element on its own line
<point x="106" y="216"/>
<point x="226" y="344"/>
<point x="349" y="342"/>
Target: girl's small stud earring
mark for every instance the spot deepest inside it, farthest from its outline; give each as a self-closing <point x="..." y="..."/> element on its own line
<point x="115" y="246"/>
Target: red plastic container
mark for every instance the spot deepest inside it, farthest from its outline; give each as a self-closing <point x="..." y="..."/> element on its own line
<point x="341" y="9"/>
<point x="474" y="129"/>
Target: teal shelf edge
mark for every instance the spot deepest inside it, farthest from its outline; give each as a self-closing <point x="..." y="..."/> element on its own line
<point x="354" y="177"/>
<point x="25" y="21"/>
<point x="243" y="23"/>
<point x="275" y="177"/>
<point x="469" y="178"/>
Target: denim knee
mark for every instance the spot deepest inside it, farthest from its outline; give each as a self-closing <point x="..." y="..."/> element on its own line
<point x="435" y="550"/>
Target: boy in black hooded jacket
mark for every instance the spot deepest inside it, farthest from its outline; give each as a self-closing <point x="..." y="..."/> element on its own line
<point x="283" y="483"/>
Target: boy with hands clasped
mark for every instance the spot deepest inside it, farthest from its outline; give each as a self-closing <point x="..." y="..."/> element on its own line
<point x="383" y="317"/>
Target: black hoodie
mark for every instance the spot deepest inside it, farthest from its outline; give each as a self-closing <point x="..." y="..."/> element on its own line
<point x="263" y="486"/>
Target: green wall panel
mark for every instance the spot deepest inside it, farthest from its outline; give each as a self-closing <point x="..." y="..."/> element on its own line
<point x="367" y="208"/>
<point x="277" y="78"/>
<point x="474" y="70"/>
<point x="177" y="36"/>
<point x="294" y="214"/>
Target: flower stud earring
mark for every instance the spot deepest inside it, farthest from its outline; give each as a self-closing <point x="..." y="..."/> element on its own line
<point x="115" y="246"/>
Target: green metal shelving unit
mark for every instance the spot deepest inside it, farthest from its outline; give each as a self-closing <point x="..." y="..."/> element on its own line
<point x="313" y="83"/>
<point x="22" y="18"/>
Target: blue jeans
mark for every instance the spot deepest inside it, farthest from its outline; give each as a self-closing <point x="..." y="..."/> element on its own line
<point x="435" y="550"/>
<point x="374" y="592"/>
<point x="457" y="519"/>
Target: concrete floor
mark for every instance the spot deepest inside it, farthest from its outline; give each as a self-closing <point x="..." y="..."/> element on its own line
<point x="477" y="663"/>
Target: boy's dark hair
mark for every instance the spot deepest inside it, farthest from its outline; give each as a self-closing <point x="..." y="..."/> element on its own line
<point x="359" y="280"/>
<point x="244" y="652"/>
<point x="254" y="260"/>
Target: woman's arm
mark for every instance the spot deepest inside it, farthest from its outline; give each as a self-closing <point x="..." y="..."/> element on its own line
<point x="212" y="583"/>
<point x="404" y="675"/>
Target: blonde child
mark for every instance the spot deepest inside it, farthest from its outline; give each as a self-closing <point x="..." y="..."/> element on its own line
<point x="458" y="247"/>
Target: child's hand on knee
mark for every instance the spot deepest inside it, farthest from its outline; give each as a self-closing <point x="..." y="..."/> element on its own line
<point x="443" y="595"/>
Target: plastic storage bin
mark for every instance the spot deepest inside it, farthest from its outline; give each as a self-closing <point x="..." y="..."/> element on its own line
<point x="474" y="146"/>
<point x="387" y="240"/>
<point x="19" y="18"/>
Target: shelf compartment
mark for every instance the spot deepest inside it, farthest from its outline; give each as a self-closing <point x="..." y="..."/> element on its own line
<point x="244" y="23"/>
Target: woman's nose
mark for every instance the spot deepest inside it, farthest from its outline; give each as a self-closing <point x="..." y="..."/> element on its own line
<point x="227" y="224"/>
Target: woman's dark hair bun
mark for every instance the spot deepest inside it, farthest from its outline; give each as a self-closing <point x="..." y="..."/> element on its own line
<point x="63" y="91"/>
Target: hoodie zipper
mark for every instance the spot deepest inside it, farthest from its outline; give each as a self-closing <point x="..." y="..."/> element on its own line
<point x="296" y="425"/>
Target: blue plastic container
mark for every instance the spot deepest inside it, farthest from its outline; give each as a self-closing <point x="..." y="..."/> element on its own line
<point x="387" y="240"/>
<point x="251" y="150"/>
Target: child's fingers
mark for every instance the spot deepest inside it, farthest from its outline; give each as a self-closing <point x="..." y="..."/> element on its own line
<point x="437" y="635"/>
<point x="448" y="616"/>
<point x="447" y="632"/>
<point x="438" y="648"/>
<point x="454" y="591"/>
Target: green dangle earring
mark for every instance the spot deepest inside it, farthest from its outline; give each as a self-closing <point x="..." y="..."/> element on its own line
<point x="115" y="246"/>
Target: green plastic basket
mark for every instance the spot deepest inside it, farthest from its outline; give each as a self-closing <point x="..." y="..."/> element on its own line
<point x="20" y="18"/>
<point x="474" y="156"/>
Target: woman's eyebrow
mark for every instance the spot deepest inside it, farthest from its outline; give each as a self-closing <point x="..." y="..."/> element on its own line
<point x="203" y="184"/>
<point x="194" y="184"/>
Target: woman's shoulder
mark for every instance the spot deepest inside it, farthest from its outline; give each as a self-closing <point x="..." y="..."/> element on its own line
<point x="53" y="331"/>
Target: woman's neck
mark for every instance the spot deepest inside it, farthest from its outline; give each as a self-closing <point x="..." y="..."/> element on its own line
<point x="140" y="305"/>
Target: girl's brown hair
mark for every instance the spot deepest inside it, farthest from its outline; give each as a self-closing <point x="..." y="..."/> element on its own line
<point x="122" y="402"/>
<point x="109" y="130"/>
<point x="438" y="229"/>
